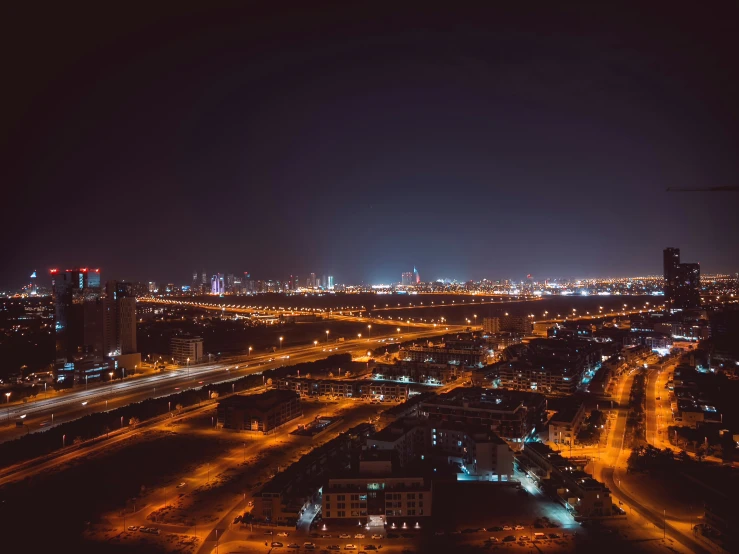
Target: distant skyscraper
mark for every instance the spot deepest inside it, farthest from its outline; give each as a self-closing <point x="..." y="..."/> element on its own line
<point x="416" y="276"/>
<point x="407" y="278"/>
<point x="312" y="280"/>
<point x="330" y="283"/>
<point x="217" y="284"/>
<point x="152" y="287"/>
<point x="682" y="281"/>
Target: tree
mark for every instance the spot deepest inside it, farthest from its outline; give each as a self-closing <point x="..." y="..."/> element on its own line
<point x="269" y="382"/>
<point x="700" y="453"/>
<point x="178" y="407"/>
<point x="134" y="421"/>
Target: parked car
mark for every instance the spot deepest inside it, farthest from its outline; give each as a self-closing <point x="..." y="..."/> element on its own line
<point x="277" y="544"/>
<point x="344" y="536"/>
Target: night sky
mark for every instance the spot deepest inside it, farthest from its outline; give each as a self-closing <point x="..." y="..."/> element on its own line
<point x="359" y="143"/>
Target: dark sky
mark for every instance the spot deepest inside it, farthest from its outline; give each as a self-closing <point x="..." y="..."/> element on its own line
<point x="360" y="142"/>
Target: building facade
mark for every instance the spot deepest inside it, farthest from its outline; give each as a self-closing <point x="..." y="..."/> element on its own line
<point x="186" y="349"/>
<point x="260" y="412"/>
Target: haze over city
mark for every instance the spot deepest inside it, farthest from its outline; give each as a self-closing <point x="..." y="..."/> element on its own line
<point x="327" y="277"/>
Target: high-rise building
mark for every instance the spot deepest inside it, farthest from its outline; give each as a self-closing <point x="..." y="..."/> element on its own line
<point x="330" y="283"/>
<point x="416" y="276"/>
<point x="152" y="287"/>
<point x="406" y="279"/>
<point x="120" y="332"/>
<point x="312" y="280"/>
<point x="71" y="288"/>
<point x="204" y="280"/>
<point x="670" y="262"/>
<point x="95" y="332"/>
<point x="682" y="281"/>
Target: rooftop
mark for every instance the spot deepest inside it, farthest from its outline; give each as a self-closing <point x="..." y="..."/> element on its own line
<point x="262" y="402"/>
<point x="491" y="399"/>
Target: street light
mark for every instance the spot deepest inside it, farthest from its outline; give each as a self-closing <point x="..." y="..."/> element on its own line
<point x="7" y="401"/>
<point x="111" y="381"/>
<point x="280" y="343"/>
<point x="327" y="336"/>
<point x="188" y="367"/>
<point x="250" y="349"/>
<point x="369" y="327"/>
<point x="315" y="343"/>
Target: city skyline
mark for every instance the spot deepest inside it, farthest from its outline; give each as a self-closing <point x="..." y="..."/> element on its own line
<point x="302" y="280"/>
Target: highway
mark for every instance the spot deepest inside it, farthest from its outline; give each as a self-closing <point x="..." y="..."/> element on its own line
<point x="42" y="413"/>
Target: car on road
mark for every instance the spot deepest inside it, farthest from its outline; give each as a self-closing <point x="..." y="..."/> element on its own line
<point x="509" y="538"/>
<point x="359" y="536"/>
<point x="376" y="536"/>
<point x="344" y="536"/>
<point x="293" y="545"/>
<point x="309" y="546"/>
<point x="495" y="528"/>
<point x="133" y="528"/>
<point x="555" y="536"/>
<point x="277" y="544"/>
<point x="334" y="547"/>
<point x="370" y="547"/>
<point x="523" y="538"/>
<point x="519" y="528"/>
<point x="269" y="532"/>
<point x="282" y="534"/>
<point x="181" y="485"/>
<point x="493" y="539"/>
<point x="326" y="536"/>
<point x="507" y="528"/>
<point x="350" y="547"/>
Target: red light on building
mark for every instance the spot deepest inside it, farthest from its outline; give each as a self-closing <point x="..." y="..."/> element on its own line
<point x="53" y="271"/>
<point x="97" y="271"/>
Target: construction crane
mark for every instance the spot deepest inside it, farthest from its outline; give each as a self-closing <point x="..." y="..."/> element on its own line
<point x="707" y="189"/>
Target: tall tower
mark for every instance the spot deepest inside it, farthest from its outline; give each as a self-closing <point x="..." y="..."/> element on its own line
<point x="671" y="264"/>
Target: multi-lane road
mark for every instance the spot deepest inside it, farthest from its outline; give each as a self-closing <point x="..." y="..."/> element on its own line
<point x="42" y="413"/>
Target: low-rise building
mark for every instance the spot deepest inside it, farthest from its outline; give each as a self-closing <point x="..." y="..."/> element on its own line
<point x="367" y="389"/>
<point x="565" y="424"/>
<point x="377" y="494"/>
<point x="259" y="412"/>
<point x="186" y="349"/>
<point x="513" y="415"/>
<point x="577" y="490"/>
<point x="286" y="495"/>
<point x="418" y="372"/>
<point x="445" y="354"/>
